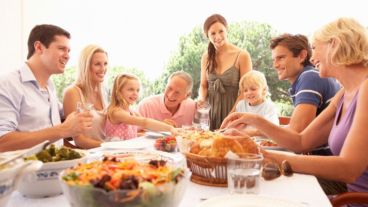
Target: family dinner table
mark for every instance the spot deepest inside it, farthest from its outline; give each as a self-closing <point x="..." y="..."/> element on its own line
<point x="299" y="188"/>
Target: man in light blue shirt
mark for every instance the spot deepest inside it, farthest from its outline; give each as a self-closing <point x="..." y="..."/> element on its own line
<point x="30" y="112"/>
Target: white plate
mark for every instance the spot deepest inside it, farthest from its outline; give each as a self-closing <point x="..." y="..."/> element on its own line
<point x="156" y="134"/>
<point x="248" y="201"/>
<point x="131" y="144"/>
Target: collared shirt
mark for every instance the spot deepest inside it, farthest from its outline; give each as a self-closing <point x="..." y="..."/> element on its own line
<point x="154" y="107"/>
<point x="24" y="105"/>
<point x="310" y="88"/>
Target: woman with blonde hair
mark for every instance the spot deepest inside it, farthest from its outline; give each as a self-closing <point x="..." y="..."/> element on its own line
<point x="87" y="94"/>
<point x="222" y="66"/>
<point x="340" y="50"/>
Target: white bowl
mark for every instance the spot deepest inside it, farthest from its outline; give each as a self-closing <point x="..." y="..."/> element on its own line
<point x="44" y="182"/>
<point x="11" y="175"/>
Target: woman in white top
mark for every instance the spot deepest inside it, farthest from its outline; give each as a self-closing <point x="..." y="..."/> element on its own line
<point x="87" y="90"/>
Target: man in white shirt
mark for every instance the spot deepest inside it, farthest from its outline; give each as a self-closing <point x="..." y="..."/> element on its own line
<point x="30" y="112"/>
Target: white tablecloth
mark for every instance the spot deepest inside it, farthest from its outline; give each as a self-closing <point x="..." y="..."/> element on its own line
<point x="298" y="188"/>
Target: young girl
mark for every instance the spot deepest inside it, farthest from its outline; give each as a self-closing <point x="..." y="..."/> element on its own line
<point x="254" y="87"/>
<point x="122" y="123"/>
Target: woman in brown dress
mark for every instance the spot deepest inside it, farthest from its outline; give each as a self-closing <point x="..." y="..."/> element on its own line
<point x="222" y="66"/>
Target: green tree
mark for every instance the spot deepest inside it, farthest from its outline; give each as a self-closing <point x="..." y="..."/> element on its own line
<point x="61" y="81"/>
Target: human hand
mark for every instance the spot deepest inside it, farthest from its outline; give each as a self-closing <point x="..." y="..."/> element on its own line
<point x="174" y="131"/>
<point x="235" y="132"/>
<point x="77" y="123"/>
<point x="234" y="120"/>
<point x="170" y="122"/>
<point x="201" y="102"/>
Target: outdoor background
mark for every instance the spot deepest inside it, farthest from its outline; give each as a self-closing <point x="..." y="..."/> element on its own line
<point x="154" y="38"/>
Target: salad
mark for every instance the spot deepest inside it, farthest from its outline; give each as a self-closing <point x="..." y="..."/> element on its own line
<point x="114" y="182"/>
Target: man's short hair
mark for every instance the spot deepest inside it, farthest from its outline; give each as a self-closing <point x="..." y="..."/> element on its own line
<point x="185" y="76"/>
<point x="295" y="43"/>
<point x="45" y="33"/>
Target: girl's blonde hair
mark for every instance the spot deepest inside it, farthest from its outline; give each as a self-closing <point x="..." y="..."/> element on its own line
<point x="351" y="40"/>
<point x="84" y="72"/>
<point x="117" y="100"/>
<point x="254" y="78"/>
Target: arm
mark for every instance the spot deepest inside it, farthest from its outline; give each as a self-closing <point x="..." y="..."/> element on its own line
<point x="203" y="88"/>
<point x="313" y="136"/>
<point x="245" y="65"/>
<point x="71" y="97"/>
<point x="73" y="125"/>
<point x="353" y="158"/>
<point x="120" y="116"/>
<point x="302" y="116"/>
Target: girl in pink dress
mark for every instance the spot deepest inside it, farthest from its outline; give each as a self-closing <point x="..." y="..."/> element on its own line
<point x="121" y="122"/>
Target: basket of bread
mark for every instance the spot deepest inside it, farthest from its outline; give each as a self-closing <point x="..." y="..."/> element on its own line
<point x="206" y="153"/>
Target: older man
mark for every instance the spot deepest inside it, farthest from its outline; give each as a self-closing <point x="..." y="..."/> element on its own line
<point x="29" y="108"/>
<point x="175" y="104"/>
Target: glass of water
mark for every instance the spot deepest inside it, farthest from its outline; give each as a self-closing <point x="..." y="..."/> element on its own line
<point x="202" y="116"/>
<point x="244" y="173"/>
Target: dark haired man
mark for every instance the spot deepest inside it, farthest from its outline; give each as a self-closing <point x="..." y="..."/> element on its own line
<point x="29" y="108"/>
<point x="309" y="92"/>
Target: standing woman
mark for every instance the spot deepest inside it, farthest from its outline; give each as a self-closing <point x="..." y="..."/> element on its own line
<point x="222" y="66"/>
<point x="88" y="90"/>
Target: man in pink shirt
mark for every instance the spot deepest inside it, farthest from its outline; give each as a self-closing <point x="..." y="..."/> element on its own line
<point x="175" y="104"/>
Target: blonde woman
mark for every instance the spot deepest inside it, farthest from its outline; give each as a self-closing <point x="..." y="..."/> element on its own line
<point x="340" y="50"/>
<point x="87" y="92"/>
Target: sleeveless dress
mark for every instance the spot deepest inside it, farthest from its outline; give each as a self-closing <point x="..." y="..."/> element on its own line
<point x="97" y="132"/>
<point x="122" y="131"/>
<point x="338" y="134"/>
<point x="222" y="93"/>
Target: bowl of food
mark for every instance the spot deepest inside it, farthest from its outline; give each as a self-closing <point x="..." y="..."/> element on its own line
<point x="166" y="144"/>
<point x="11" y="173"/>
<point x="124" y="182"/>
<point x="44" y="182"/>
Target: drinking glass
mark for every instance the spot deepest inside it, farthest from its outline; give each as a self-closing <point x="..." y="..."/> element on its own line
<point x="202" y="116"/>
<point x="243" y="173"/>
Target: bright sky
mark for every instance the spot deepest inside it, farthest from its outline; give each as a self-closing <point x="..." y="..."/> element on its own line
<point x="144" y="33"/>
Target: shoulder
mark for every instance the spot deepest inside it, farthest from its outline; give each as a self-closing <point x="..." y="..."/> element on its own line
<point x="189" y="102"/>
<point x="10" y="79"/>
<point x="71" y="91"/>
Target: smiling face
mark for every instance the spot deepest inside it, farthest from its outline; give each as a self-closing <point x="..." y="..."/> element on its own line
<point x="217" y="34"/>
<point x="56" y="56"/>
<point x="175" y="92"/>
<point x="319" y="58"/>
<point x="98" y="67"/>
<point x="254" y="94"/>
<point x="130" y="91"/>
<point x="287" y="66"/>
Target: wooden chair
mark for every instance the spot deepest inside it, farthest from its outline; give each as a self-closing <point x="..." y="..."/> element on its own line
<point x="349" y="198"/>
<point x="284" y="120"/>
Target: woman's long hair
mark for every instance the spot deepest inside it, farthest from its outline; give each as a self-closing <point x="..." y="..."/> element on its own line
<point x="211" y="51"/>
<point x="84" y="72"/>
